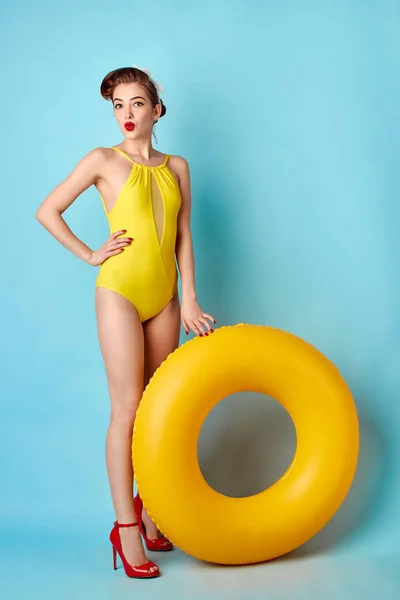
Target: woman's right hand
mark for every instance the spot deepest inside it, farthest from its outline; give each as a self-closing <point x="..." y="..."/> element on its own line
<point x="112" y="246"/>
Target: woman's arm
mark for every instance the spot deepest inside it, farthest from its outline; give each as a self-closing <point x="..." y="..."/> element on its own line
<point x="184" y="245"/>
<point x="192" y="315"/>
<point x="85" y="174"/>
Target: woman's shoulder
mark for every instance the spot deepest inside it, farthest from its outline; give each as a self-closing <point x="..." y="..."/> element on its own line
<point x="179" y="166"/>
<point x="177" y="158"/>
<point x="98" y="155"/>
<point x="180" y="163"/>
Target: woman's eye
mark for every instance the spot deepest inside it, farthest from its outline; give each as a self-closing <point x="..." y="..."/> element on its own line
<point x="116" y="105"/>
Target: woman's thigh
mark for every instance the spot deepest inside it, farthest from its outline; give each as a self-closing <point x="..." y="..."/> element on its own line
<point x="161" y="336"/>
<point x="120" y="334"/>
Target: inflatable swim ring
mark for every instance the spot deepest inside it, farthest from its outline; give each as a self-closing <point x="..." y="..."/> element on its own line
<point x="175" y="403"/>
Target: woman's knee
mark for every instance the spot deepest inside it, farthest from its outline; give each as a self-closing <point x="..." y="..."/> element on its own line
<point x="123" y="413"/>
<point x="124" y="422"/>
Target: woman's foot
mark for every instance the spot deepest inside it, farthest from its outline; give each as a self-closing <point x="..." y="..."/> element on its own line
<point x="132" y="547"/>
<point x="151" y="528"/>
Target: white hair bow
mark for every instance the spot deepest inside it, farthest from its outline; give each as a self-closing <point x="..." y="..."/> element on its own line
<point x="157" y="84"/>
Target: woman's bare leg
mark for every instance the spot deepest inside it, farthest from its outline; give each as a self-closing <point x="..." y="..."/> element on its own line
<point x="161" y="337"/>
<point x="122" y="345"/>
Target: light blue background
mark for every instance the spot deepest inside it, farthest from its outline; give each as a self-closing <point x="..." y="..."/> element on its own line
<point x="288" y="113"/>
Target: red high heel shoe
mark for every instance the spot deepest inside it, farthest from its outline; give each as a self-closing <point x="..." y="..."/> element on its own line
<point x="157" y="545"/>
<point x="139" y="571"/>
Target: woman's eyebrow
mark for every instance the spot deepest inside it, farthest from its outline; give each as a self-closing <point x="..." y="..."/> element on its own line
<point x="129" y="98"/>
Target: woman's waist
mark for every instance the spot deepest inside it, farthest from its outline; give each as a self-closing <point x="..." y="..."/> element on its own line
<point x="135" y="261"/>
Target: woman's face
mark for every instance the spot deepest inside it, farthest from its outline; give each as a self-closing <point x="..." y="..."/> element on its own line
<point x="133" y="110"/>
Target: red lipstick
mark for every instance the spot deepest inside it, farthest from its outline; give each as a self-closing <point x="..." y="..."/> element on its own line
<point x="129" y="126"/>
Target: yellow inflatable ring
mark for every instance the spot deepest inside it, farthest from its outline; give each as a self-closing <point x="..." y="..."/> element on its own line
<point x="175" y="403"/>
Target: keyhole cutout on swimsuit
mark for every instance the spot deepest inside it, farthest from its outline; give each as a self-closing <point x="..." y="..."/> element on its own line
<point x="158" y="207"/>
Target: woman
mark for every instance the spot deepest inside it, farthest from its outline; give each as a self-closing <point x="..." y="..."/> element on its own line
<point x="147" y="200"/>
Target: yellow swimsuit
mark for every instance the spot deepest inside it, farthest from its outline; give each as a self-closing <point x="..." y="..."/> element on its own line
<point x="147" y="207"/>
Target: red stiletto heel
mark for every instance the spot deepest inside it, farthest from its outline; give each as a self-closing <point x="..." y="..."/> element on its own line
<point x="157" y="545"/>
<point x="139" y="571"/>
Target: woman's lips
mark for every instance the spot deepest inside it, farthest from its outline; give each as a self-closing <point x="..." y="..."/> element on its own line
<point x="129" y="126"/>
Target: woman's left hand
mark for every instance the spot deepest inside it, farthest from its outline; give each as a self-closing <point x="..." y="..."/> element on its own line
<point x="193" y="317"/>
